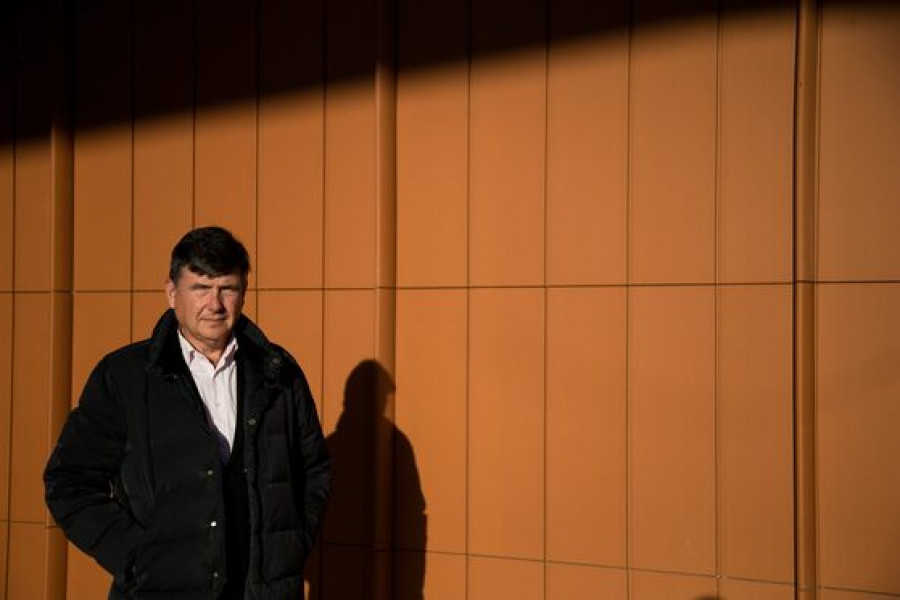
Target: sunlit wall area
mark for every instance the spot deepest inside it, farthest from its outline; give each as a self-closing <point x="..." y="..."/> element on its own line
<point x="858" y="339"/>
<point x="594" y="305"/>
<point x="548" y="266"/>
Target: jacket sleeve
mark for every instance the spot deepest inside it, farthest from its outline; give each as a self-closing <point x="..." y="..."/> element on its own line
<point x="316" y="462"/>
<point x="79" y="474"/>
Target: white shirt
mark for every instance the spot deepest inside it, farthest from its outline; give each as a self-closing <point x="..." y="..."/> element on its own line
<point x="217" y="385"/>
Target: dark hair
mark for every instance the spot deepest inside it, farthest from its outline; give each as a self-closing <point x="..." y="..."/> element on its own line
<point x="210" y="251"/>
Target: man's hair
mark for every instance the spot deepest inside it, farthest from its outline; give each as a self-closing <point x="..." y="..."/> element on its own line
<point x="210" y="251"/>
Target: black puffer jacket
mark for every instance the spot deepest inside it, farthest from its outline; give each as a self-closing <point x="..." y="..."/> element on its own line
<point x="136" y="478"/>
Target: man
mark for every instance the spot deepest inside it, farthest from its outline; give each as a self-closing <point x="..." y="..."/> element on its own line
<point x="194" y="465"/>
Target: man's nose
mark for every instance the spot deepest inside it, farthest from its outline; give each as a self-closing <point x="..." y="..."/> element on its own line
<point x="215" y="300"/>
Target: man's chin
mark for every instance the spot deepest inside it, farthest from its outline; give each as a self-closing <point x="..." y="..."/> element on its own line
<point x="217" y="331"/>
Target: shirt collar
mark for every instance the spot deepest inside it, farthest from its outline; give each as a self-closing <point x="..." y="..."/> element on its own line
<point x="190" y="353"/>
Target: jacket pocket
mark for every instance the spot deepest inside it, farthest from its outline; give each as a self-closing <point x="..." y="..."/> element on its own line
<point x="283" y="554"/>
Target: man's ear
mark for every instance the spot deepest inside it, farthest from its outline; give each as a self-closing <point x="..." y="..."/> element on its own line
<point x="170" y="293"/>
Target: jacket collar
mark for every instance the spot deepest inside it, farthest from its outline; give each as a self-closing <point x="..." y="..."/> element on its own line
<point x="261" y="355"/>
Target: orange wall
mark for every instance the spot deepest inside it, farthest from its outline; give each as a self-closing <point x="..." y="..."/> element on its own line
<point x="606" y="252"/>
<point x="858" y="297"/>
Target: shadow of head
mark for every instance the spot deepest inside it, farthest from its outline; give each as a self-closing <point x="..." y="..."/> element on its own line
<point x="367" y="391"/>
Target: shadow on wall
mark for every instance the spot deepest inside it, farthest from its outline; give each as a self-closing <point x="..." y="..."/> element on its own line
<point x="144" y="60"/>
<point x="377" y="509"/>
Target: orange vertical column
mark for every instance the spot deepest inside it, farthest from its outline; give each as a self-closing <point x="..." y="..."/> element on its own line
<point x="358" y="304"/>
<point x="671" y="352"/>
<point x="805" y="194"/>
<point x="7" y="209"/>
<point x="586" y="225"/>
<point x="754" y="318"/>
<point x="857" y="296"/>
<point x="430" y="411"/>
<point x="385" y="287"/>
<point x="507" y="332"/>
<point x="40" y="312"/>
<point x="349" y="392"/>
<point x="103" y="213"/>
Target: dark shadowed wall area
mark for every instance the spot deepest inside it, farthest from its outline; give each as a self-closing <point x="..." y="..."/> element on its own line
<point x="598" y="299"/>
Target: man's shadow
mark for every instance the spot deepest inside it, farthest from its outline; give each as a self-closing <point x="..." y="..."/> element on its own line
<point x="374" y="533"/>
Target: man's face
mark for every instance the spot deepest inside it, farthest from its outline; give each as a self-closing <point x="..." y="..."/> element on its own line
<point x="206" y="307"/>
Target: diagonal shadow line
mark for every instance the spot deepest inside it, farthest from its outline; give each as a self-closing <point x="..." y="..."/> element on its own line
<point x="338" y="40"/>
